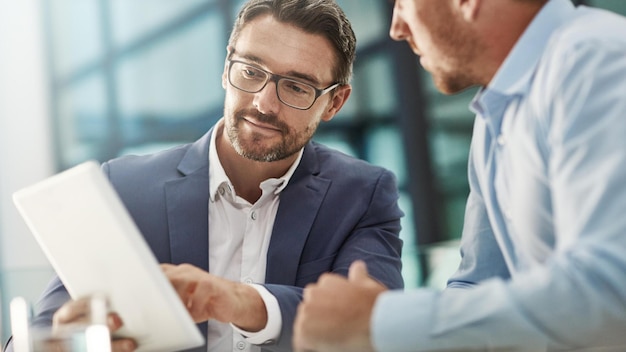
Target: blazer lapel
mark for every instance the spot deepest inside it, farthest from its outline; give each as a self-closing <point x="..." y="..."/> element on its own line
<point x="187" y="207"/>
<point x="299" y="204"/>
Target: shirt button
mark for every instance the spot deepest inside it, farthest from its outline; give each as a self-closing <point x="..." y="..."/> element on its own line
<point x="241" y="345"/>
<point x="501" y="140"/>
<point x="222" y="191"/>
<point x="248" y="280"/>
<point x="253" y="215"/>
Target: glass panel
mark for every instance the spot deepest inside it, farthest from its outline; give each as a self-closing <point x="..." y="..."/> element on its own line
<point x="372" y="89"/>
<point x="25" y="282"/>
<point x="133" y="19"/>
<point x="450" y="122"/>
<point x="450" y="151"/>
<point x="236" y="6"/>
<point x="367" y="22"/>
<point x="75" y="34"/>
<point x="167" y="90"/>
<point x="411" y="271"/>
<point x="385" y="148"/>
<point x="618" y="6"/>
<point x="82" y="122"/>
<point x="337" y="141"/>
<point x="443" y="261"/>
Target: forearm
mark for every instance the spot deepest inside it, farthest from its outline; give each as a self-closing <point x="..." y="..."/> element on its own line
<point x="251" y="315"/>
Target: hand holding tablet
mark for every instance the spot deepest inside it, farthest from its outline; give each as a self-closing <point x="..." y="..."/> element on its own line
<point x="94" y="246"/>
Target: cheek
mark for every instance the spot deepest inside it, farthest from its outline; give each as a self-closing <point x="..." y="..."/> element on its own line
<point x="310" y="125"/>
<point x="230" y="103"/>
<point x="297" y="122"/>
<point x="234" y="97"/>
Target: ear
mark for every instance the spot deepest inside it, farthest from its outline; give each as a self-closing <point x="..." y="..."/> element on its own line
<point x="469" y="9"/>
<point x="340" y="96"/>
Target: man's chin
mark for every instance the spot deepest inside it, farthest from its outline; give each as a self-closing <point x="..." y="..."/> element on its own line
<point x="449" y="86"/>
<point x="256" y="154"/>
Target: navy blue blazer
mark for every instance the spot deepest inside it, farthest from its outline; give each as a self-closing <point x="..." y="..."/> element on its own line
<point x="334" y="210"/>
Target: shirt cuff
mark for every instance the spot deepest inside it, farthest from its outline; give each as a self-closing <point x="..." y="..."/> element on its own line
<point x="271" y="331"/>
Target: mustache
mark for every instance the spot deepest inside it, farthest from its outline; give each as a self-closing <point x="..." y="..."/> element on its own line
<point x="270" y="119"/>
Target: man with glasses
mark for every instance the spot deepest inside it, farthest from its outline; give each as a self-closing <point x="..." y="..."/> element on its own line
<point x="255" y="210"/>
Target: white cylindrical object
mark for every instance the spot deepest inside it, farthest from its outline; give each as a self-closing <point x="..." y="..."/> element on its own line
<point x="19" y="324"/>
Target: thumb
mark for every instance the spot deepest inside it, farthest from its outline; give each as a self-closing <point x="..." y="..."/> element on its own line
<point x="358" y="271"/>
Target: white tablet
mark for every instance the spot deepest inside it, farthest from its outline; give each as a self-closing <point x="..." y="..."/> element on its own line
<point x="95" y="247"/>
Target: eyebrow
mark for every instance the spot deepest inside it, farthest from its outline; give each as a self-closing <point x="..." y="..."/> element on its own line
<point x="291" y="74"/>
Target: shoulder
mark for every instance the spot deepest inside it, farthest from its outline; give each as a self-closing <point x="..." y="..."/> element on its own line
<point x="160" y="163"/>
<point x="347" y="173"/>
<point x="580" y="79"/>
<point x="170" y="163"/>
<point x="335" y="162"/>
<point x="590" y="28"/>
<point x="584" y="56"/>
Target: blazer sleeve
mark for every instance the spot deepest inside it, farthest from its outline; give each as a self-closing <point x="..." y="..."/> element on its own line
<point x="370" y="234"/>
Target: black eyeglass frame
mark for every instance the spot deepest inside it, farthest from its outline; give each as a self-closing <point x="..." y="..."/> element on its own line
<point x="272" y="77"/>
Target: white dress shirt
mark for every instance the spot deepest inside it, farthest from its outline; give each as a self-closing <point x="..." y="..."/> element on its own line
<point x="239" y="236"/>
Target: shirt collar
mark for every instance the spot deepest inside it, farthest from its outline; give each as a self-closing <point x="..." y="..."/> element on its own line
<point x="514" y="75"/>
<point x="217" y="175"/>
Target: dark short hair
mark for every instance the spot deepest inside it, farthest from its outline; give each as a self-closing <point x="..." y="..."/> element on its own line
<point x="323" y="17"/>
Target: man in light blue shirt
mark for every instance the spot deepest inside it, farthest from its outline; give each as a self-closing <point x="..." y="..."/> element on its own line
<point x="544" y="242"/>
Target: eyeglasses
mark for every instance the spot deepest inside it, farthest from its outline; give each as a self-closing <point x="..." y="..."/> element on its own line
<point x="253" y="79"/>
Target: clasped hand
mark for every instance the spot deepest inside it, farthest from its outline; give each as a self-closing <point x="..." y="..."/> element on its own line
<point x="335" y="312"/>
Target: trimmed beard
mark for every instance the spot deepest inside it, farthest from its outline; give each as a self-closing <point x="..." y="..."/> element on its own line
<point x="250" y="149"/>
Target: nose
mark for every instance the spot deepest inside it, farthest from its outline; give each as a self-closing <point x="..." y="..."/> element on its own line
<point x="266" y="100"/>
<point x="398" y="29"/>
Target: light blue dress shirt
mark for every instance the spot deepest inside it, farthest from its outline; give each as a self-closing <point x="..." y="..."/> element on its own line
<point x="545" y="222"/>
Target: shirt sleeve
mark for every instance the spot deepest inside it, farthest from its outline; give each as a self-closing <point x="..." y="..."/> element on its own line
<point x="454" y="319"/>
<point x="274" y="320"/>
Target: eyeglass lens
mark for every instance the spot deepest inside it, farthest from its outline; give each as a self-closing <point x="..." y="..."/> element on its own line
<point x="252" y="79"/>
